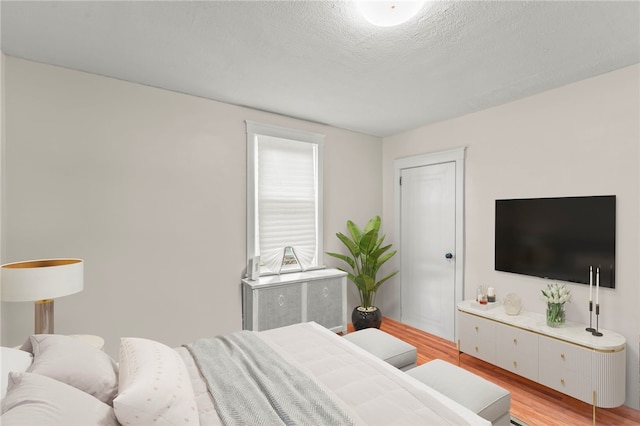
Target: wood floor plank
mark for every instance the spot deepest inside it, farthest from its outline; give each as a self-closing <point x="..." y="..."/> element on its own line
<point x="531" y="402"/>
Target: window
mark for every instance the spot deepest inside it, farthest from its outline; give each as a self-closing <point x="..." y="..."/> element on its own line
<point x="284" y="198"/>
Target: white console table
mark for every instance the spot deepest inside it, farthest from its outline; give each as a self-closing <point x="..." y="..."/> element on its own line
<point x="567" y="359"/>
<point x="278" y="300"/>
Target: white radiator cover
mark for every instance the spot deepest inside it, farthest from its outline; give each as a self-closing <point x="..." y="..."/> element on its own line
<point x="279" y="300"/>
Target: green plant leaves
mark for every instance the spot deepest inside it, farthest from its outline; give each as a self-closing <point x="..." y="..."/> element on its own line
<point x="367" y="256"/>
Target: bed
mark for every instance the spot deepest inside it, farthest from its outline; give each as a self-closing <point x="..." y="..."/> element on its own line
<point x="309" y="371"/>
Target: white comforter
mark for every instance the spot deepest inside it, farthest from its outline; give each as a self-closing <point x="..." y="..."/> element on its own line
<point x="371" y="391"/>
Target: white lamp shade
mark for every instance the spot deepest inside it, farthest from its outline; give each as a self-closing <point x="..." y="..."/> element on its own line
<point x="41" y="279"/>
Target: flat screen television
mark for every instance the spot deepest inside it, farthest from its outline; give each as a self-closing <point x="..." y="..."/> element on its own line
<point x="557" y="238"/>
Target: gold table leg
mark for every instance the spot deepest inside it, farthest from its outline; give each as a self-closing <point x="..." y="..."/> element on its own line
<point x="594" y="408"/>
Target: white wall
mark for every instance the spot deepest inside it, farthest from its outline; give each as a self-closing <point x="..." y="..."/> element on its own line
<point x="149" y="187"/>
<point x="581" y="139"/>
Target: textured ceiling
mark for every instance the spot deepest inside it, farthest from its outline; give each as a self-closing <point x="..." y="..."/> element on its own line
<point x="320" y="61"/>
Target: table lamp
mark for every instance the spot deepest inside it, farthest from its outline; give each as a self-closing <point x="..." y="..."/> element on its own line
<point x="41" y="281"/>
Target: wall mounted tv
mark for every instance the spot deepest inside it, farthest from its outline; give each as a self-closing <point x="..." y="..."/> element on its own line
<point x="557" y="238"/>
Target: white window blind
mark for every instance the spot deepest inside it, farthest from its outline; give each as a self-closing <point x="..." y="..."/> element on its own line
<point x="284" y="198"/>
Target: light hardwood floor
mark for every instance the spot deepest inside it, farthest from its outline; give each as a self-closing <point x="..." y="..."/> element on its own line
<point x="535" y="404"/>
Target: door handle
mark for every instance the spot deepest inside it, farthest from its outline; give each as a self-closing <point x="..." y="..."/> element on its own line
<point x="448" y="256"/>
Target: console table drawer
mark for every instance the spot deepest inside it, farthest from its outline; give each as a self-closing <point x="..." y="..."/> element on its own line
<point x="513" y="351"/>
<point x="564" y="356"/>
<point x="477" y="337"/>
<point x="565" y="368"/>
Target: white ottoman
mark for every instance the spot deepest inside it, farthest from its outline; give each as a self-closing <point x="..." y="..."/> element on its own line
<point x="386" y="347"/>
<point x="488" y="400"/>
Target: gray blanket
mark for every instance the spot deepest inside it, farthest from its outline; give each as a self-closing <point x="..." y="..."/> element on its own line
<point x="251" y="384"/>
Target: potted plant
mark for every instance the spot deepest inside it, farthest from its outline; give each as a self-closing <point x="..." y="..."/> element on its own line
<point x="366" y="257"/>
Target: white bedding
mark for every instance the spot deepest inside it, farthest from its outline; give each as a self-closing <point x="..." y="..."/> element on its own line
<point x="371" y="391"/>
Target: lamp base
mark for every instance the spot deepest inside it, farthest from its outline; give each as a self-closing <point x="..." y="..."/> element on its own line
<point x="44" y="316"/>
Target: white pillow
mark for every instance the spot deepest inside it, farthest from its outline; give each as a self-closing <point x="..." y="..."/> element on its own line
<point x="75" y="363"/>
<point x="33" y="399"/>
<point x="154" y="386"/>
<point x="13" y="360"/>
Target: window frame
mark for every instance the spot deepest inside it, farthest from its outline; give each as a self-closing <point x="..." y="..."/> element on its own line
<point x="254" y="130"/>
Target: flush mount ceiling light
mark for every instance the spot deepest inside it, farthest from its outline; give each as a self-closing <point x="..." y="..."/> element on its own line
<point x="384" y="13"/>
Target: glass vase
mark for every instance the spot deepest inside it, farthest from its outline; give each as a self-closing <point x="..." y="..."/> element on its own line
<point x="555" y="314"/>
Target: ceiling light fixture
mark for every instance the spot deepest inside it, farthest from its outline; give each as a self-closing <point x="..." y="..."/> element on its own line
<point x="384" y="13"/>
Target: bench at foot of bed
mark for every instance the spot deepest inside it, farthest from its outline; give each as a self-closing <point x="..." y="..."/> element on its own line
<point x="486" y="399"/>
<point x="396" y="352"/>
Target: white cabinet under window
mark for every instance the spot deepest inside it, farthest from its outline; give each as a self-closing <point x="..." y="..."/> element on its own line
<point x="278" y="300"/>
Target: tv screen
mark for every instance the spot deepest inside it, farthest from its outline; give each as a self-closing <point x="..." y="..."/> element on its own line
<point x="557" y="238"/>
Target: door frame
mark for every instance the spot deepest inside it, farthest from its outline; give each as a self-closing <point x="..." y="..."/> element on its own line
<point x="456" y="156"/>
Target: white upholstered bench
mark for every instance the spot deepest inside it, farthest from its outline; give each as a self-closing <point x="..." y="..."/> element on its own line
<point x="386" y="347"/>
<point x="486" y="399"/>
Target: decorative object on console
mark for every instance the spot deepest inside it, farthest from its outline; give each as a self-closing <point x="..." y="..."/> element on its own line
<point x="41" y="281"/>
<point x="367" y="256"/>
<point x="595" y="331"/>
<point x="482" y="294"/>
<point x="556" y="296"/>
<point x="590" y="329"/>
<point x="556" y="315"/>
<point x="491" y="295"/>
<point x="512" y="304"/>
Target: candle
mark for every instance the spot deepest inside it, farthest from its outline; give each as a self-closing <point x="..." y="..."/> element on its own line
<point x="491" y="295"/>
<point x="590" y="284"/>
<point x="597" y="285"/>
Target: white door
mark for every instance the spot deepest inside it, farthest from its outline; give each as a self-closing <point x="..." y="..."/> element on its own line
<point x="428" y="248"/>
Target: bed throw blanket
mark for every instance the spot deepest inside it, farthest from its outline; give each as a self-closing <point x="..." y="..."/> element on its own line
<point x="251" y="384"/>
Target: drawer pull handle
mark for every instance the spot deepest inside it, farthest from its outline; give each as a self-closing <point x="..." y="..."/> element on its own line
<point x="515" y="364"/>
<point x="476" y="328"/>
<point x="562" y="381"/>
<point x="562" y="356"/>
<point x="281" y="300"/>
<point x="476" y="349"/>
<point x="325" y="291"/>
<point x="515" y="341"/>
